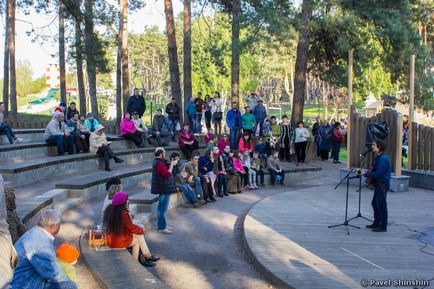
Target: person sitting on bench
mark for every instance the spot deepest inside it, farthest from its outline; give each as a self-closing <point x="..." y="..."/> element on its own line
<point x="100" y="146"/>
<point x="56" y="133"/>
<point x="161" y="135"/>
<point x="4" y="128"/>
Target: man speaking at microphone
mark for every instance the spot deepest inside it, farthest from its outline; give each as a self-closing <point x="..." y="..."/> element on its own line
<point x="381" y="177"/>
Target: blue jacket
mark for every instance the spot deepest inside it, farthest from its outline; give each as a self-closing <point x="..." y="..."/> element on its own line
<point x="190" y="107"/>
<point x="381" y="172"/>
<point x="205" y="163"/>
<point x="260" y="113"/>
<point x="230" y="119"/>
<point x="261" y="149"/>
<point x="37" y="261"/>
<point x="89" y="125"/>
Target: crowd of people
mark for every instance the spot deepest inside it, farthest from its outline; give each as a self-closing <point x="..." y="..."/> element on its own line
<point x="236" y="158"/>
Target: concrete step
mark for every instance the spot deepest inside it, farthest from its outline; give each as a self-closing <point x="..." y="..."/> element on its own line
<point x="28" y="135"/>
<point x="29" y="150"/>
<point x="27" y="171"/>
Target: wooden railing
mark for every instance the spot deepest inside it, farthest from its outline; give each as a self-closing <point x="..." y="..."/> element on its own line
<point x="422" y="150"/>
<point x="393" y="141"/>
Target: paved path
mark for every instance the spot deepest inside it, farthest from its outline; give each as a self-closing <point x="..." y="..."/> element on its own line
<point x="288" y="235"/>
<point x="74" y="222"/>
<point x="205" y="251"/>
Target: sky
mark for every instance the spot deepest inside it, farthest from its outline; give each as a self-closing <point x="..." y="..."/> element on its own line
<point x="39" y="54"/>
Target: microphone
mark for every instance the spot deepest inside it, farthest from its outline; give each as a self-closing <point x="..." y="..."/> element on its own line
<point x="366" y="152"/>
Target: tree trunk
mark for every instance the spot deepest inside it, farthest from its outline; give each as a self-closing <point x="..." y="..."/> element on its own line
<point x="175" y="83"/>
<point x="301" y="62"/>
<point x="124" y="51"/>
<point x="62" y="51"/>
<point x="6" y="65"/>
<point x="119" y="80"/>
<point x="90" y="55"/>
<point x="79" y="64"/>
<point x="12" y="72"/>
<point x="235" y="63"/>
<point x="188" y="89"/>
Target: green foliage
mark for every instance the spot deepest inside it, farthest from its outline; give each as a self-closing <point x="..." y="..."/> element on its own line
<point x="38" y="85"/>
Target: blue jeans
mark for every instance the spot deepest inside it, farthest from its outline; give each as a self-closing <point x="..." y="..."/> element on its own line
<point x="222" y="184"/>
<point x="61" y="285"/>
<point x="163" y="204"/>
<point x="336" y="147"/>
<point x="174" y="123"/>
<point x="9" y="134"/>
<point x="198" y="186"/>
<point x="234" y="137"/>
<point x="59" y="140"/>
<point x="274" y="174"/>
<point x="188" y="193"/>
<point x="193" y="122"/>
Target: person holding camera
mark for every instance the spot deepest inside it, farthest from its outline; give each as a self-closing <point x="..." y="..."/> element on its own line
<point x="162" y="184"/>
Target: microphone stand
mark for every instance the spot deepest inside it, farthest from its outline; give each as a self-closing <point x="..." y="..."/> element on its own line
<point x="359" y="215"/>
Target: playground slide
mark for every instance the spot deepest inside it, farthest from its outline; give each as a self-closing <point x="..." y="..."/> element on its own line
<point x="49" y="96"/>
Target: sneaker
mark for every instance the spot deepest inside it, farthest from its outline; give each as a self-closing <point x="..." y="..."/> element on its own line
<point x="18" y="140"/>
<point x="170" y="228"/>
<point x="118" y="160"/>
<point x="166" y="231"/>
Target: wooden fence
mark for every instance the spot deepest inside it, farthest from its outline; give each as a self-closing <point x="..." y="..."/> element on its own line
<point x="422" y="152"/>
<point x="393" y="141"/>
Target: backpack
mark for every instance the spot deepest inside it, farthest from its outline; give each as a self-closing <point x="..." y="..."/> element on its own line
<point x="337" y="135"/>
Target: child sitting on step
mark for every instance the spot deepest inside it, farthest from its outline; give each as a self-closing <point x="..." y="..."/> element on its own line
<point x="67" y="256"/>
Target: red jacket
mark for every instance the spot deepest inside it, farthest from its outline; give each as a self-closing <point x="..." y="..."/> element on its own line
<point x="242" y="146"/>
<point x="125" y="239"/>
<point x="185" y="136"/>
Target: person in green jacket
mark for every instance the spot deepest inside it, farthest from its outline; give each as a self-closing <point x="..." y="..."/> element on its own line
<point x="67" y="256"/>
<point x="248" y="120"/>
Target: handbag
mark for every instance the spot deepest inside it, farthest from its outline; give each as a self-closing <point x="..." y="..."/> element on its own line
<point x="96" y="238"/>
<point x="178" y="126"/>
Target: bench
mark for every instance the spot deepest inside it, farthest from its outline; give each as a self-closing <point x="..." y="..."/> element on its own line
<point x="128" y="273"/>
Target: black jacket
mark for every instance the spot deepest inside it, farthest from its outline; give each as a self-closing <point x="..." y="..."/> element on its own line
<point x="173" y="111"/>
<point x="69" y="112"/>
<point x="136" y="103"/>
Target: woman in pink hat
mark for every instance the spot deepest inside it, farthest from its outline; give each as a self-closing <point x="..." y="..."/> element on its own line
<point x="123" y="233"/>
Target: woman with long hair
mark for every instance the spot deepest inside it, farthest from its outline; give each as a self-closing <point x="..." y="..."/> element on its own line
<point x="234" y="180"/>
<point x="245" y="143"/>
<point x="123" y="233"/>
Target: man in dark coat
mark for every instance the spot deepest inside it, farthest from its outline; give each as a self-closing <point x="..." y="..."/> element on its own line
<point x="381" y="177"/>
<point x="137" y="103"/>
<point x="173" y="110"/>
